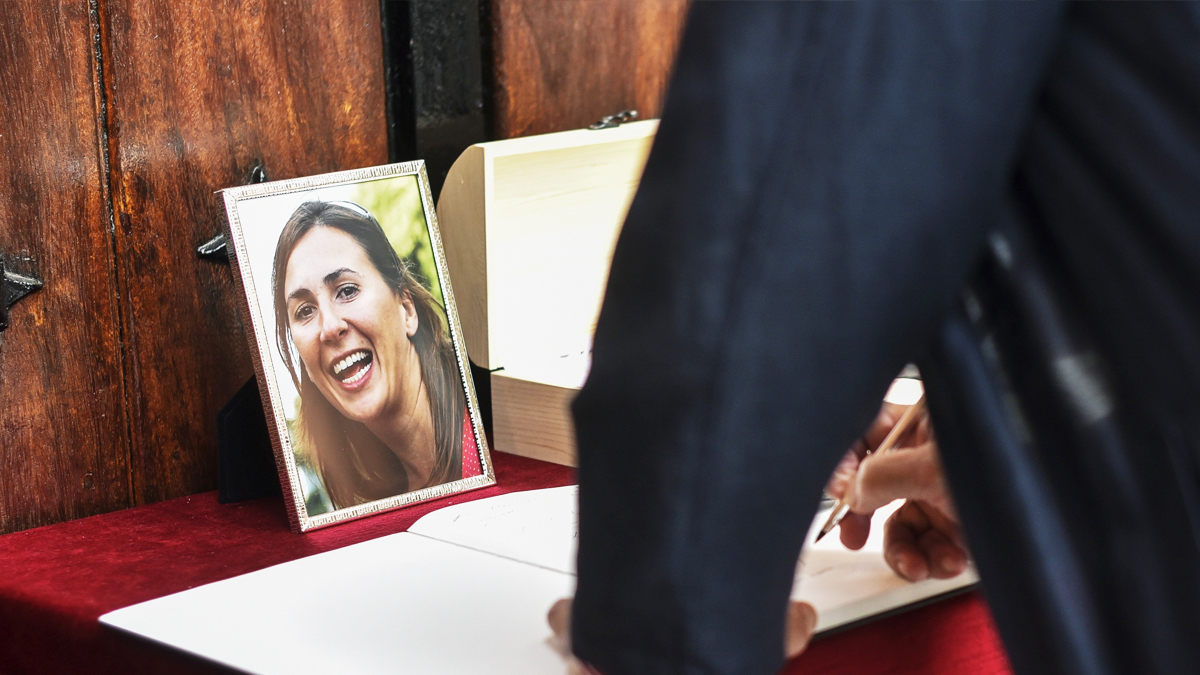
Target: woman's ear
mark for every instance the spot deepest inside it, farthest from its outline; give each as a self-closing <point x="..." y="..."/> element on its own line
<point x="408" y="312"/>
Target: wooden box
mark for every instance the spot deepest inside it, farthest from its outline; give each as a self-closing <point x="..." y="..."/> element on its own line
<point x="528" y="226"/>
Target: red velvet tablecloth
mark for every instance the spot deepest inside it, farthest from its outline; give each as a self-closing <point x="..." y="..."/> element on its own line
<point x="56" y="581"/>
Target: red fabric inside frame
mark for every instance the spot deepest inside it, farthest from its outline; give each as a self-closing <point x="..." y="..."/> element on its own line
<point x="56" y="581"/>
<point x="470" y="452"/>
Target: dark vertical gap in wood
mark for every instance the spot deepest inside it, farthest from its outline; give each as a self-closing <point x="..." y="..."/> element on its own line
<point x="100" y="89"/>
<point x="434" y="74"/>
<point x="487" y="62"/>
<point x="448" y="82"/>
<point x="396" y="24"/>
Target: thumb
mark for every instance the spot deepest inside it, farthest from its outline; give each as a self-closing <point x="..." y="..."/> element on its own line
<point x="801" y="622"/>
<point x="559" y="618"/>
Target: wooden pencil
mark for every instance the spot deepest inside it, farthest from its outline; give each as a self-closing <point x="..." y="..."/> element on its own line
<point x="910" y="417"/>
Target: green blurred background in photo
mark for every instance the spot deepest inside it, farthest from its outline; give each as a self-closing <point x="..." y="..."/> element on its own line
<point x="396" y="204"/>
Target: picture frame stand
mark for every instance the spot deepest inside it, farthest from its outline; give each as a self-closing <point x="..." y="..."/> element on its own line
<point x="245" y="461"/>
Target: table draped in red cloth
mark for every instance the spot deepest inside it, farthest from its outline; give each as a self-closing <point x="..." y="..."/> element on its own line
<point x="56" y="581"/>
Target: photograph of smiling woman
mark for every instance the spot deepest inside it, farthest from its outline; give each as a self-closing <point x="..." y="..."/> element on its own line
<point x="354" y="464"/>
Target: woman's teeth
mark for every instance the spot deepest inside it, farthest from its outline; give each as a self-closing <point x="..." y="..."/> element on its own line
<point x="354" y="367"/>
<point x="348" y="361"/>
<point x="362" y="372"/>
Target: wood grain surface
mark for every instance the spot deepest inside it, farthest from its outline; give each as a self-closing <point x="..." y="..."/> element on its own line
<point x="63" y="447"/>
<point x="197" y="93"/>
<point x="563" y="64"/>
<point x="121" y="119"/>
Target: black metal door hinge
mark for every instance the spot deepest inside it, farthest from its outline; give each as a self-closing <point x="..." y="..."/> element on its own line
<point x="15" y="287"/>
<point x="215" y="249"/>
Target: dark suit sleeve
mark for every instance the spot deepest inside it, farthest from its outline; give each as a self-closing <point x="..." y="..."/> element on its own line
<point x="820" y="185"/>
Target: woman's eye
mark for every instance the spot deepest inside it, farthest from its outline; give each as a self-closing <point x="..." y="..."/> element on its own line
<point x="347" y="292"/>
<point x="303" y="312"/>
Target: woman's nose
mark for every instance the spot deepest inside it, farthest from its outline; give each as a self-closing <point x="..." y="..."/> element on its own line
<point x="333" y="326"/>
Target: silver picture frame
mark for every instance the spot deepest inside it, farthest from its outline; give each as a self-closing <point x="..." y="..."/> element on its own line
<point x="256" y="215"/>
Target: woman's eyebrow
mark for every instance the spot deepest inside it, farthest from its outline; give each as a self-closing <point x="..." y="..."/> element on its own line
<point x="299" y="292"/>
<point x="333" y="276"/>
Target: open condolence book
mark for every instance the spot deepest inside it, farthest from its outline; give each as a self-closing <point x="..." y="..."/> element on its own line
<point x="465" y="590"/>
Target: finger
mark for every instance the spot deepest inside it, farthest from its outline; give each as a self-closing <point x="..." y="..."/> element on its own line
<point x="920" y="542"/>
<point x="801" y="622"/>
<point x="918" y="433"/>
<point x="854" y="529"/>
<point x="901" y="550"/>
<point x="889" y="414"/>
<point x="942" y="518"/>
<point x="559" y="618"/>
<point x="911" y="438"/>
<point x="910" y="474"/>
<point x="925" y="428"/>
<point x="860" y="448"/>
<point x="944" y="558"/>
<point x="576" y="667"/>
<point x="843" y="475"/>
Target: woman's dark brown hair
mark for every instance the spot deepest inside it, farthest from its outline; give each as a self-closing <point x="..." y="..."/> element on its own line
<point x="353" y="463"/>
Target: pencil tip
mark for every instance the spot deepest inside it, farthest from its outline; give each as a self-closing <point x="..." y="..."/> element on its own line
<point x="820" y="534"/>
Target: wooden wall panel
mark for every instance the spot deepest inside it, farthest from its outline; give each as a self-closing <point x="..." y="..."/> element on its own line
<point x="197" y="92"/>
<point x="563" y="64"/>
<point x="122" y="118"/>
<point x="63" y="448"/>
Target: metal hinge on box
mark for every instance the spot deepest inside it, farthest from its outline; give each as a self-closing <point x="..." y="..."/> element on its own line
<point x="616" y="120"/>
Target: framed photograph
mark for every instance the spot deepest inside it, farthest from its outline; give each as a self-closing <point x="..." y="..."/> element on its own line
<point x="356" y="341"/>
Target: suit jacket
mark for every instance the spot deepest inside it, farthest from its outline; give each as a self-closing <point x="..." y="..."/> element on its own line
<point x="1008" y="195"/>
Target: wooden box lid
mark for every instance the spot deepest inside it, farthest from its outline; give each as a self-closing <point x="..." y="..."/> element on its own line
<point x="528" y="226"/>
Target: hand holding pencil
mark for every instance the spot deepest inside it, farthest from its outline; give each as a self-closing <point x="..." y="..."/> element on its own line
<point x="923" y="538"/>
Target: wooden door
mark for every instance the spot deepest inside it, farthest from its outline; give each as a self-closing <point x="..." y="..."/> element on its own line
<point x="63" y="429"/>
<point x="563" y="64"/>
<point x="122" y="119"/>
<point x="197" y="93"/>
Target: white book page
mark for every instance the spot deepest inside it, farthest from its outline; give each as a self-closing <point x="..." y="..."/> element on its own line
<point x="399" y="604"/>
<point x="465" y="591"/>
<point x="539" y="527"/>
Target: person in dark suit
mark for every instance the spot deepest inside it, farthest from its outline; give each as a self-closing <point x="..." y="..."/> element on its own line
<point x="1007" y="194"/>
